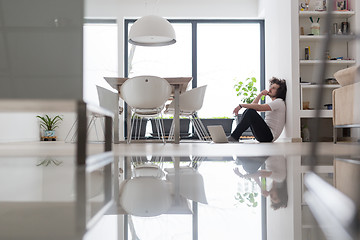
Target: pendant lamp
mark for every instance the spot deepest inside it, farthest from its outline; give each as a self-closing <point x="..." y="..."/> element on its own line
<point x="152" y="31"/>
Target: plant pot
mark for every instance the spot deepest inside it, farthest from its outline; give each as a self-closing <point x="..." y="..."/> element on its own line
<point x="139" y="123"/>
<point x="48" y="136"/>
<point x="225" y="122"/>
<point x="184" y="127"/>
<point x="248" y="132"/>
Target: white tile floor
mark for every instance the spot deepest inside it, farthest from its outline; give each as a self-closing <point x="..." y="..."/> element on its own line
<point x="249" y="148"/>
<point x="32" y="150"/>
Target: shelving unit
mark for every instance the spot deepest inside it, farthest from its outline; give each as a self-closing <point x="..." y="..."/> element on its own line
<point x="343" y="46"/>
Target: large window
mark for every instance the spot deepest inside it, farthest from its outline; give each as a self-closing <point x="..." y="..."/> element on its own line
<point x="100" y="55"/>
<point x="216" y="53"/>
<point x="168" y="61"/>
<point x="226" y="53"/>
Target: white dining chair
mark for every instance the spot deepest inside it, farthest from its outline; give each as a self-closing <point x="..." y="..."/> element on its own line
<point x="189" y="103"/>
<point x="107" y="100"/>
<point x="146" y="96"/>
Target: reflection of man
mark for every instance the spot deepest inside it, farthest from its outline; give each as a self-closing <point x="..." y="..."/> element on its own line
<point x="276" y="170"/>
<point x="270" y="128"/>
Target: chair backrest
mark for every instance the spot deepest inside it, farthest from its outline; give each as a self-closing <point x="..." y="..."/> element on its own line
<point x="107" y="99"/>
<point x="145" y="92"/>
<point x="193" y="99"/>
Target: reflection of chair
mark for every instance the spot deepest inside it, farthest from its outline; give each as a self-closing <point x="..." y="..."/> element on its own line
<point x="189" y="103"/>
<point x="109" y="101"/>
<point x="146" y="95"/>
<point x="191" y="183"/>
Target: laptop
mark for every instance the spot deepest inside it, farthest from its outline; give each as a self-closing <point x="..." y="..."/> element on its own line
<point x="217" y="134"/>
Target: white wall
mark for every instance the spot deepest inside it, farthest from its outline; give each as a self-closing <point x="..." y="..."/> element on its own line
<point x="18" y="127"/>
<point x="280" y="58"/>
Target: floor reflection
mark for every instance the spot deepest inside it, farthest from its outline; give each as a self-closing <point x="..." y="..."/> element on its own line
<point x="188" y="197"/>
<point x="212" y="198"/>
<point x="274" y="171"/>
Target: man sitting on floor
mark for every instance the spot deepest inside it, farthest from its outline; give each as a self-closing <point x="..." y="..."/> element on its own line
<point x="270" y="128"/>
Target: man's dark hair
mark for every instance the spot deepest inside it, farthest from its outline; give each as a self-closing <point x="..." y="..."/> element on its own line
<point x="281" y="92"/>
<point x="281" y="189"/>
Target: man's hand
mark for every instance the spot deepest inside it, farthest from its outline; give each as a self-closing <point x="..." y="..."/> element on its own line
<point x="236" y="110"/>
<point x="237" y="172"/>
<point x="264" y="92"/>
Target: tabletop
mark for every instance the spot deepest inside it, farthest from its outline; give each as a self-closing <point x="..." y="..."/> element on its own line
<point x="183" y="82"/>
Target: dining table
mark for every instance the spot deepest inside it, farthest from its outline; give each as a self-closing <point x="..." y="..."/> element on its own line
<point x="178" y="84"/>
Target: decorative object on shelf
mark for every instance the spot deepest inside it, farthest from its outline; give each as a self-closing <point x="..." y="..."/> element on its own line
<point x="305" y="133"/>
<point x="320" y="5"/>
<point x="315" y="26"/>
<point x="307" y="53"/>
<point x="345" y="28"/>
<point x="49" y="125"/>
<point x="306" y="105"/>
<point x="327" y="54"/>
<point x="152" y="31"/>
<point x="328" y="106"/>
<point x="341" y="5"/>
<point x="302" y="31"/>
<point x="335" y="28"/>
<point x="305" y="5"/>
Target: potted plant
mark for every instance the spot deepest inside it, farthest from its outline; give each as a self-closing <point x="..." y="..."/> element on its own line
<point x="49" y="125"/>
<point x="167" y="122"/>
<point x="139" y="128"/>
<point x="224" y="121"/>
<point x="248" y="91"/>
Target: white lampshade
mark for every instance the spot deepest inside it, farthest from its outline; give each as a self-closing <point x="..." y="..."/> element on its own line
<point x="152" y="31"/>
<point x="146" y="196"/>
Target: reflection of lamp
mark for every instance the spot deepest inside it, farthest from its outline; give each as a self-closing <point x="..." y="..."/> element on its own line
<point x="146" y="196"/>
<point x="152" y="31"/>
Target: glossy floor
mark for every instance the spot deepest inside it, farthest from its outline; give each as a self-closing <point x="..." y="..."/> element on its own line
<point x="207" y="191"/>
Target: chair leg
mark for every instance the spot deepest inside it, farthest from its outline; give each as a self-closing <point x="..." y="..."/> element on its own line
<point x="131" y="130"/>
<point x="199" y="128"/>
<point x="73" y="136"/>
<point x="157" y="127"/>
<point x="171" y="133"/>
<point x="162" y="130"/>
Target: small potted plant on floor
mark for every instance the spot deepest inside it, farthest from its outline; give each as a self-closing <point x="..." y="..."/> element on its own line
<point x="49" y="125"/>
<point x="248" y="91"/>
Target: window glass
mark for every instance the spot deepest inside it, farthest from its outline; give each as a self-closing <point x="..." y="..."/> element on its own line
<point x="100" y="57"/>
<point x="227" y="53"/>
<point x="166" y="61"/>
